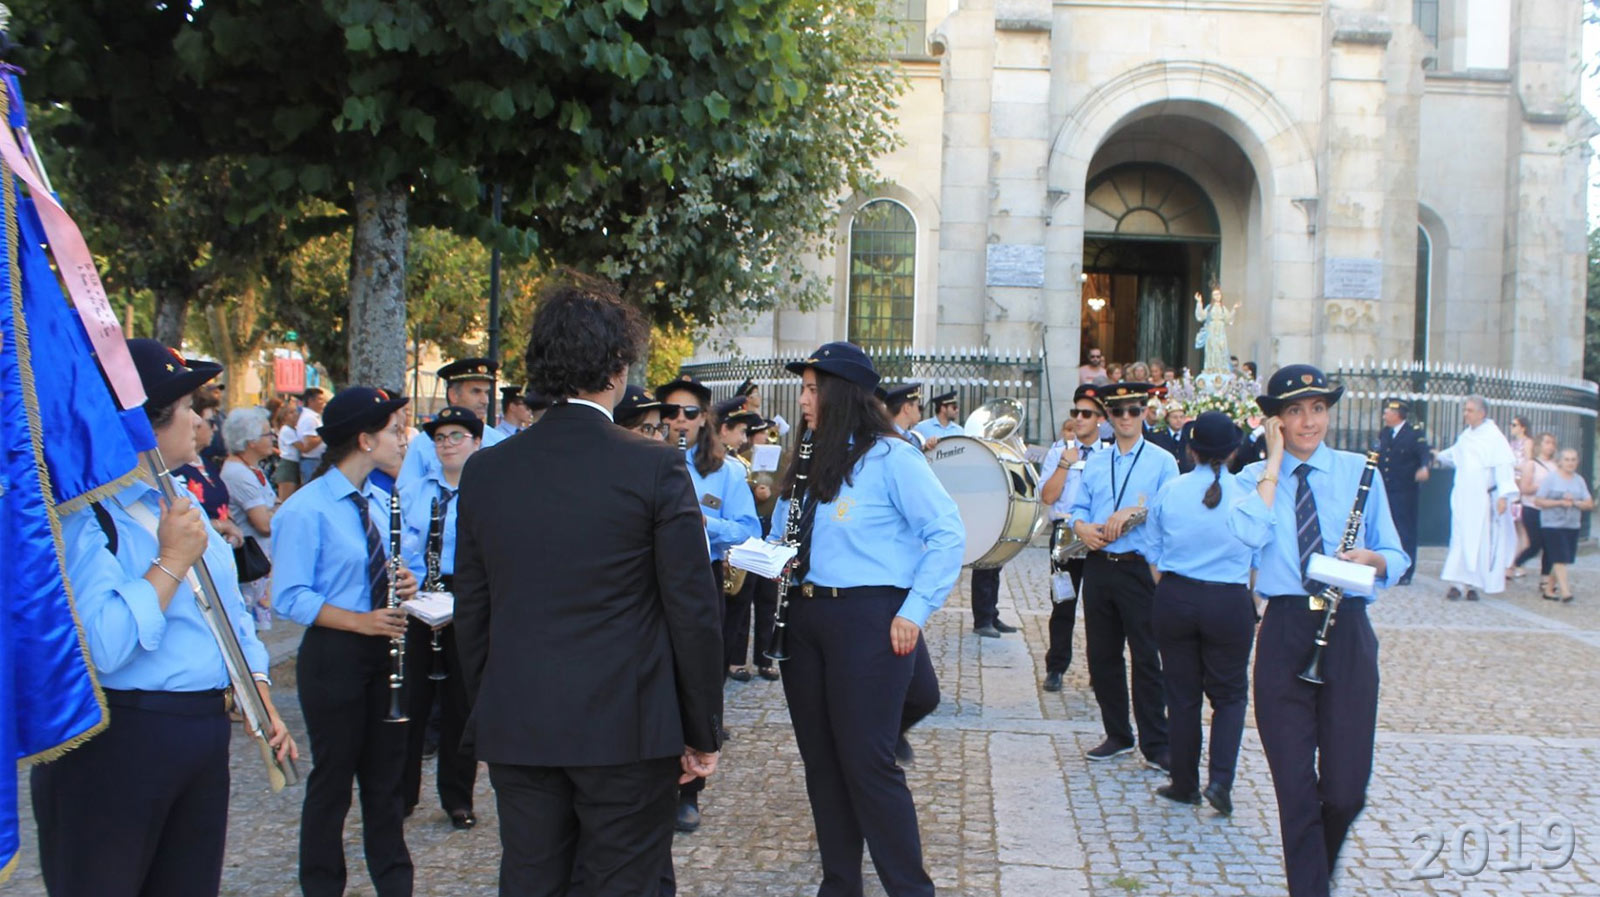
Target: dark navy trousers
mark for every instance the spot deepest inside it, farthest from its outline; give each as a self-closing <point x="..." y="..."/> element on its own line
<point x="140" y="810"/>
<point x="343" y="680"/>
<point x="458" y="769"/>
<point x="1317" y="738"/>
<point x="985" y="597"/>
<point x="1117" y="595"/>
<point x="922" y="695"/>
<point x="1205" y="630"/>
<point x="846" y="690"/>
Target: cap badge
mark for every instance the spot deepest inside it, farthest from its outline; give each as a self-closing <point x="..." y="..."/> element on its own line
<point x="170" y="368"/>
<point x="1306" y="379"/>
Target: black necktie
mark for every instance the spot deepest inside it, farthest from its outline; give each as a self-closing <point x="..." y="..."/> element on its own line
<point x="377" y="561"/>
<point x="1308" y="531"/>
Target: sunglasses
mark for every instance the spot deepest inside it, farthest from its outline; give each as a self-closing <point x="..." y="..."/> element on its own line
<point x="1127" y="411"/>
<point x="1083" y="412"/>
<point x="670" y="412"/>
<point x="454" y="437"/>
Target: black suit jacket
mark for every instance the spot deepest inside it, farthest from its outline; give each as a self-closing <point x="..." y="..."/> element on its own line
<point x="1400" y="456"/>
<point x="586" y="616"/>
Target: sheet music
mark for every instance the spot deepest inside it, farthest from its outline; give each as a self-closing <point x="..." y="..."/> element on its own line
<point x="765" y="458"/>
<point x="765" y="559"/>
<point x="432" y="608"/>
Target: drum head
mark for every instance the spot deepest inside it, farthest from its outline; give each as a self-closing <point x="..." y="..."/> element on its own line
<point x="973" y="475"/>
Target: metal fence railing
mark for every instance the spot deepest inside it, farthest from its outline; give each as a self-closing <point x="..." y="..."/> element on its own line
<point x="976" y="374"/>
<point x="1564" y="406"/>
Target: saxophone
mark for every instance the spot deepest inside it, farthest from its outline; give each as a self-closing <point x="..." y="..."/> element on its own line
<point x="397" y="645"/>
<point x="791" y="537"/>
<point x="1328" y="599"/>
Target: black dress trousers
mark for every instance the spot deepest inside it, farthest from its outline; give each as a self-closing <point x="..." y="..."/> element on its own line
<point x="690" y="792"/>
<point x="140" y="810"/>
<point x="1205" y="630"/>
<point x="846" y="690"/>
<point x="457" y="768"/>
<point x="1117" y="595"/>
<point x="343" y="680"/>
<point x="1317" y="738"/>
<point x="1403" y="498"/>
<point x="1063" y="618"/>
<point x="985" y="597"/>
<point x="922" y="695"/>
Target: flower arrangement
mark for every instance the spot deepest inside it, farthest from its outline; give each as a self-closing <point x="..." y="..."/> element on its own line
<point x="1233" y="396"/>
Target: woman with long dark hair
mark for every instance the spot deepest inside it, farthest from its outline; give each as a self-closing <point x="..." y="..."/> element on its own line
<point x="880" y="547"/>
<point x="1203" y="615"/>
<point x="726" y="504"/>
<point x="331" y="574"/>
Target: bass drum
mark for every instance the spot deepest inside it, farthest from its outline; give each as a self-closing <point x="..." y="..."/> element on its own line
<point x="998" y="494"/>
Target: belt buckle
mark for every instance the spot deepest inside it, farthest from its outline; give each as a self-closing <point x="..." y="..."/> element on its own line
<point x="1316" y="602"/>
<point x="808" y="591"/>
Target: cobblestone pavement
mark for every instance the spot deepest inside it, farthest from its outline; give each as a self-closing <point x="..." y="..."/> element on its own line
<point x="1488" y="722"/>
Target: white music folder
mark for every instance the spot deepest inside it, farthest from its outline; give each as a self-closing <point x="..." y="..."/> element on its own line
<point x="432" y="608"/>
<point x="765" y="559"/>
<point x="1347" y="575"/>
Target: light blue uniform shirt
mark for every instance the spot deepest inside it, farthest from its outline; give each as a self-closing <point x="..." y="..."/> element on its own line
<point x="911" y="436"/>
<point x="1334" y="478"/>
<point x="134" y="644"/>
<point x="1192" y="540"/>
<point x="416" y="515"/>
<point x="319" y="547"/>
<point x="506" y="428"/>
<point x="1138" y="473"/>
<point x="1062" y="509"/>
<point x="892" y="524"/>
<point x="930" y="427"/>
<point x="422" y="458"/>
<point x="734" y="519"/>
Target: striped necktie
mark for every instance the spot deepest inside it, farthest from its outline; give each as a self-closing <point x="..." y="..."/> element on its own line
<point x="377" y="561"/>
<point x="1308" y="531"/>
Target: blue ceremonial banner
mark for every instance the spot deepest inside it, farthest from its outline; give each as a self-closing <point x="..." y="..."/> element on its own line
<point x="62" y="441"/>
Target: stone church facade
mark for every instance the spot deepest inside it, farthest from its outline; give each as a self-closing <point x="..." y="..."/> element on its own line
<point x="1401" y="180"/>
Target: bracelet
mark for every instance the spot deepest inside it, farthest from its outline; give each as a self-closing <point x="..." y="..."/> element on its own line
<point x="163" y="568"/>
<point x="1269" y="478"/>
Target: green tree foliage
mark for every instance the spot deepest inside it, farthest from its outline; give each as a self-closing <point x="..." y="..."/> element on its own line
<point x="694" y="150"/>
<point x="1591" y="315"/>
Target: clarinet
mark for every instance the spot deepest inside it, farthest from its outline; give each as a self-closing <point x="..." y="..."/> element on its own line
<point x="397" y="645"/>
<point x="683" y="442"/>
<point x="1330" y="597"/>
<point x="791" y="537"/>
<point x="433" y="583"/>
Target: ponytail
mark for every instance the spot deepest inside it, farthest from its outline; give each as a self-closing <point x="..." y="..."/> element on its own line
<point x="1214" y="494"/>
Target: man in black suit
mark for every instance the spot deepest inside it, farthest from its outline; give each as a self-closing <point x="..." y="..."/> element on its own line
<point x="1403" y="459"/>
<point x="590" y="646"/>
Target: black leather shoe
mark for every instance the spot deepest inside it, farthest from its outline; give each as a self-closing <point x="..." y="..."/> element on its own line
<point x="1472" y="594"/>
<point x="769" y="673"/>
<point x="1003" y="626"/>
<point x="1109" y="749"/>
<point x="903" y="754"/>
<point x="987" y="632"/>
<point x="1161" y="761"/>
<point x="1453" y="595"/>
<point x="1219" y="799"/>
<point x="739" y="674"/>
<point x="463" y="819"/>
<point x="1052" y="681"/>
<point x="1170" y="793"/>
<point x="688" y="817"/>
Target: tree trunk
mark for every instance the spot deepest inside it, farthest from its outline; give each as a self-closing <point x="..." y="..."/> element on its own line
<point x="377" y="323"/>
<point x="172" y="313"/>
<point x="237" y="338"/>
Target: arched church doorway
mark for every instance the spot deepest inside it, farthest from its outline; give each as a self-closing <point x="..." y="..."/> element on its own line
<point x="1151" y="240"/>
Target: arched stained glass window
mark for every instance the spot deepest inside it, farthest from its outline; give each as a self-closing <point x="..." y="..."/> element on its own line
<point x="1148" y="201"/>
<point x="883" y="275"/>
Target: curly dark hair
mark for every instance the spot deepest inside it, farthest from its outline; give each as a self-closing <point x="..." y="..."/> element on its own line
<point x="853" y="420"/>
<point x="583" y="334"/>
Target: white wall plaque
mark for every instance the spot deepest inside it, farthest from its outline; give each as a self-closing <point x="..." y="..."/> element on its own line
<point x="1352" y="278"/>
<point x="1015" y="265"/>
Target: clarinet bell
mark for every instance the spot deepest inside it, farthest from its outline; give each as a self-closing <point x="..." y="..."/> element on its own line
<point x="436" y="671"/>
<point x="1313" y="671"/>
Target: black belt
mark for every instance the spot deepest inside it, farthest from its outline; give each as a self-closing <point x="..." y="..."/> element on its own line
<point x="181" y="703"/>
<point x="1310" y="602"/>
<point x="1117" y="555"/>
<point x="815" y="591"/>
<point x="1203" y="582"/>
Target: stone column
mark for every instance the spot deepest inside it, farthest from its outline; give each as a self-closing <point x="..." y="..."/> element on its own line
<point x="1543" y="290"/>
<point x="964" y="196"/>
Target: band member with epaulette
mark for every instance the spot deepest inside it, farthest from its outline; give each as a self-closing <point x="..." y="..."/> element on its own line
<point x="945" y="420"/>
<point x="1403" y="459"/>
<point x="1062" y="473"/>
<point x="142" y="807"/>
<point x="728" y="508"/>
<point x="469" y="383"/>
<point x="880" y="547"/>
<point x="428" y="543"/>
<point x="514" y="414"/>
<point x="1317" y="738"/>
<point x="1119" y="484"/>
<point x="331" y="574"/>
<point x="1204" y="613"/>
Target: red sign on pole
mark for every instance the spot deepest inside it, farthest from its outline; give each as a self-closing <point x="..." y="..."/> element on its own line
<point x="289" y="375"/>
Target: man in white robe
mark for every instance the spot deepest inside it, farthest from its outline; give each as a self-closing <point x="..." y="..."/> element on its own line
<point x="1483" y="535"/>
